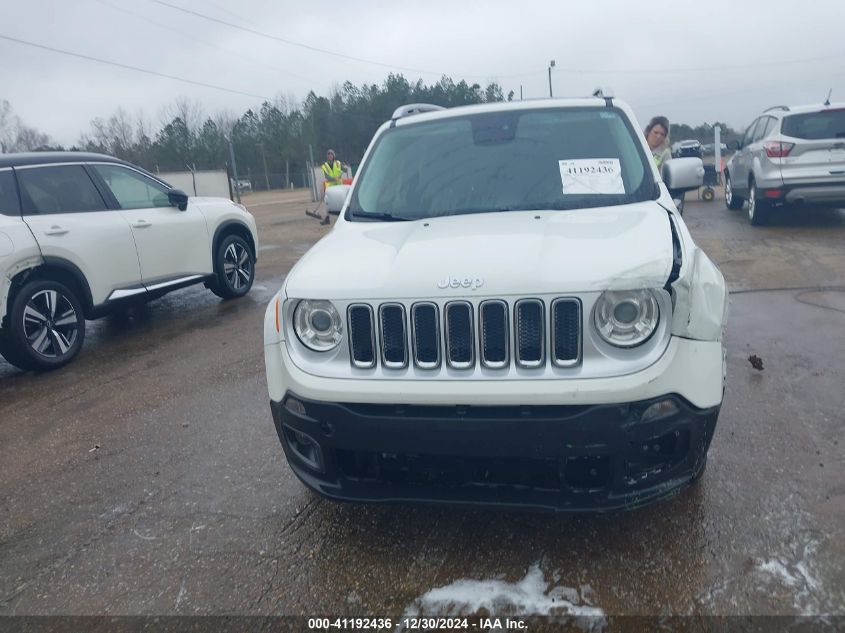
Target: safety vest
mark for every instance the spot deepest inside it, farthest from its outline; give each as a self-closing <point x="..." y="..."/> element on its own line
<point x="333" y="173"/>
<point x="659" y="155"/>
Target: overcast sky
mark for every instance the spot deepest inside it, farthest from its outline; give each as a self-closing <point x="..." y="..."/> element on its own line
<point x="691" y="61"/>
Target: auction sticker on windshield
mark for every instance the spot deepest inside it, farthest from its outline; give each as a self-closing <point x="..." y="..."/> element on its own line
<point x="591" y="176"/>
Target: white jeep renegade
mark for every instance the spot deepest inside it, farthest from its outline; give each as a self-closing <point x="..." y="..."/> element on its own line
<point x="509" y="311"/>
<point x="81" y="234"/>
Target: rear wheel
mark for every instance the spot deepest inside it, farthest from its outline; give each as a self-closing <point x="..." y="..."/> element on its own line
<point x="235" y="266"/>
<point x="732" y="201"/>
<point x="46" y="326"/>
<point x="758" y="210"/>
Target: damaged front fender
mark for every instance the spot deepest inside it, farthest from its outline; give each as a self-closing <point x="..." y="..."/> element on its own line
<point x="701" y="299"/>
<point x="8" y="275"/>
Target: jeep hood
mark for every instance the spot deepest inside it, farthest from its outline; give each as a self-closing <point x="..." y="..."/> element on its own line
<point x="513" y="253"/>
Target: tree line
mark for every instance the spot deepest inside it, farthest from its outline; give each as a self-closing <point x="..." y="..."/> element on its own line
<point x="278" y="132"/>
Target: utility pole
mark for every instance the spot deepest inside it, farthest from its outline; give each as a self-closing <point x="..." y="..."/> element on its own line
<point x="717" y="148"/>
<point x="264" y="158"/>
<point x="551" y="65"/>
<point x="315" y="196"/>
<point x="234" y="171"/>
<point x="520" y="92"/>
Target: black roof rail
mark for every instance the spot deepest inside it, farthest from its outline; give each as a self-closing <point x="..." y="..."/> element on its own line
<point x="606" y="94"/>
<point x="778" y="107"/>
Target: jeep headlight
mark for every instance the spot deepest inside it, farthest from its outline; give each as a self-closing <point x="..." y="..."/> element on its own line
<point x="626" y="318"/>
<point x="317" y="324"/>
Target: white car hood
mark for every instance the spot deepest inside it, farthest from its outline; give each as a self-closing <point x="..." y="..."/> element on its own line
<point x="513" y="253"/>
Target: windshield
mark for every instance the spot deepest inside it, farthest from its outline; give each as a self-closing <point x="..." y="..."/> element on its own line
<point x="504" y="161"/>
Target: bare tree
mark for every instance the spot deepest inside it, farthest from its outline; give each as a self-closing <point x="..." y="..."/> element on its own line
<point x="29" y="139"/>
<point x="114" y="135"/>
<point x="189" y="111"/>
<point x="225" y="121"/>
<point x="15" y="136"/>
<point x="285" y="103"/>
<point x="143" y="127"/>
<point x="121" y="130"/>
<point x="7" y="126"/>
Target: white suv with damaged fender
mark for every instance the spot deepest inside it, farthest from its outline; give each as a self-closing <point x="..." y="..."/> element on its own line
<point x="83" y="234"/>
<point x="515" y="315"/>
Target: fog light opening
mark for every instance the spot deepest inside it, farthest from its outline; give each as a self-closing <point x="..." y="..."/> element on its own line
<point x="295" y="406"/>
<point x="660" y="409"/>
<point x="302" y="439"/>
<point x="304" y="446"/>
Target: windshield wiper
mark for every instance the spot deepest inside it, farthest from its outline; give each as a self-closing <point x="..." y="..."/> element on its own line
<point x="534" y="206"/>
<point x="384" y="217"/>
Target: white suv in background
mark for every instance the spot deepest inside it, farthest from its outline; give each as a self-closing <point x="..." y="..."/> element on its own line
<point x="789" y="155"/>
<point x="81" y="234"/>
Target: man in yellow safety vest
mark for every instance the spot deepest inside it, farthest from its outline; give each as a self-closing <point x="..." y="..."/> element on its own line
<point x="332" y="170"/>
<point x="333" y="173"/>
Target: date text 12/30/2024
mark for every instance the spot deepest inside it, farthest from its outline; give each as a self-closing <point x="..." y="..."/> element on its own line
<point x="416" y="624"/>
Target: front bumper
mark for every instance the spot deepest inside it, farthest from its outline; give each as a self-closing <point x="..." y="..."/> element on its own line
<point x="552" y="457"/>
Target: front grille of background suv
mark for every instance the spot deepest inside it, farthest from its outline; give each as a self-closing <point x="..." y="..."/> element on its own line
<point x="495" y="334"/>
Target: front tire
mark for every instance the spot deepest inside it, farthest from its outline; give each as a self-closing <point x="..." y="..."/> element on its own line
<point x="235" y="266"/>
<point x="46" y="326"/>
<point x="732" y="201"/>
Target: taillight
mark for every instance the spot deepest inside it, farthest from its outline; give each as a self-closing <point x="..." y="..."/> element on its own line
<point x="777" y="149"/>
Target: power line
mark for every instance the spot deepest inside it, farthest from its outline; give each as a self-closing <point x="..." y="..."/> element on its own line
<point x="294" y="43"/>
<point x="610" y="71"/>
<point x="232" y="13"/>
<point x="205" y="43"/>
<point x="128" y="67"/>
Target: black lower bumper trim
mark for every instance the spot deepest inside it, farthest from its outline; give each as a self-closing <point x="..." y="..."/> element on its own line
<point x="568" y="458"/>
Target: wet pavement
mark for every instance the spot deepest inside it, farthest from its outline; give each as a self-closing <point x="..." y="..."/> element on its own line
<point x="147" y="478"/>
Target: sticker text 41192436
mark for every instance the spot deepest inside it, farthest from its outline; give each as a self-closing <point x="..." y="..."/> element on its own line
<point x="591" y="176"/>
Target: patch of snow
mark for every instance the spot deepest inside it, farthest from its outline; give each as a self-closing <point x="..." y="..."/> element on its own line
<point x="530" y="596"/>
<point x="799" y="577"/>
<point x="778" y="569"/>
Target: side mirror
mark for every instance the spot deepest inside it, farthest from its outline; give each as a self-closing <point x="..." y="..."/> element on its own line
<point x="683" y="174"/>
<point x="336" y="197"/>
<point x="178" y="198"/>
<point x="735" y="145"/>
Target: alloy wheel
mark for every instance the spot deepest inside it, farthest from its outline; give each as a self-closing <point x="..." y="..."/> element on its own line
<point x="50" y="323"/>
<point x="237" y="266"/>
<point x="752" y="201"/>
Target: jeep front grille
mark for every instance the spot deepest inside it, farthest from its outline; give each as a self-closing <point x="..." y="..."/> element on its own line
<point x="566" y="342"/>
<point x="426" y="340"/>
<point x="387" y="337"/>
<point x="530" y="333"/>
<point x="459" y="335"/>
<point x="362" y="340"/>
<point x="394" y="348"/>
<point x="494" y="333"/>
